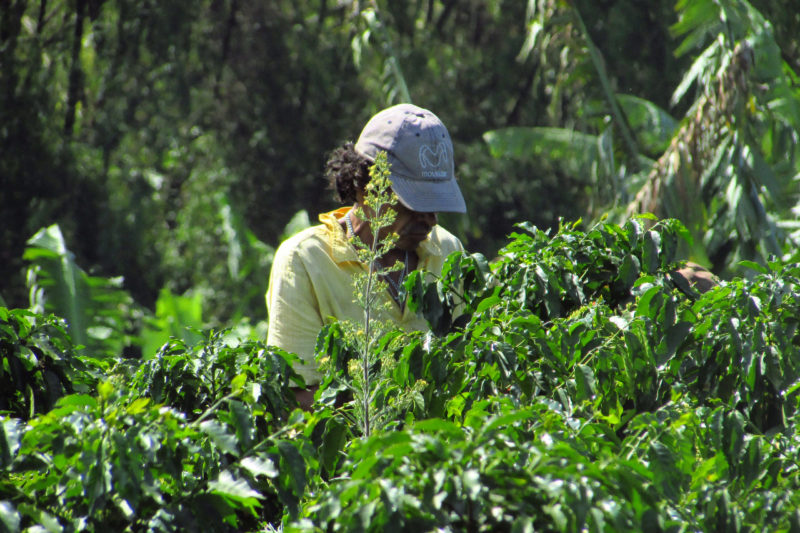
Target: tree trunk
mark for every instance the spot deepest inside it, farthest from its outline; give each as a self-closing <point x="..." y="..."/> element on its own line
<point x="75" y="73"/>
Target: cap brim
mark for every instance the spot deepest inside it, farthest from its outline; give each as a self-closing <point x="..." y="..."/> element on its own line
<point x="429" y="196"/>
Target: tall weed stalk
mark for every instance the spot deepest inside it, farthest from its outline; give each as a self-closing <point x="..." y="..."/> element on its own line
<point x="369" y="287"/>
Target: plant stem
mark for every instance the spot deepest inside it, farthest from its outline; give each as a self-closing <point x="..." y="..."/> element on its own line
<point x="367" y="346"/>
<point x="214" y="406"/>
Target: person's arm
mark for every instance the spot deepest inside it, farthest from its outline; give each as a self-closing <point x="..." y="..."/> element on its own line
<point x="294" y="319"/>
<point x="305" y="397"/>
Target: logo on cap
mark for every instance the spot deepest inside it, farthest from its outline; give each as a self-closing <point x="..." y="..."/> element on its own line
<point x="436" y="160"/>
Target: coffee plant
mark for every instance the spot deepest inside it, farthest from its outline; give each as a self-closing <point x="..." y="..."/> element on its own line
<point x="39" y="363"/>
<point x="580" y="381"/>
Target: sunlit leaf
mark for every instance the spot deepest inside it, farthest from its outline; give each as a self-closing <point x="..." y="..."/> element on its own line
<point x="236" y="489"/>
<point x="573" y="150"/>
<point x="259" y="467"/>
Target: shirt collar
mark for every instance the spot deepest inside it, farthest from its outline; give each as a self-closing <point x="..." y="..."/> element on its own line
<point x="342" y="251"/>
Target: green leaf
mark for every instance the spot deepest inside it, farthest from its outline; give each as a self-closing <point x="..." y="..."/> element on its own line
<point x="699" y="21"/>
<point x="68" y="296"/>
<point x="701" y="66"/>
<point x="176" y="316"/>
<point x="77" y="400"/>
<point x="9" y="517"/>
<point x="138" y="406"/>
<point x="787" y="108"/>
<point x="471" y="481"/>
<point x="43" y="520"/>
<point x="574" y="151"/>
<point x="293" y="460"/>
<point x="488" y="303"/>
<point x="651" y="249"/>
<point x="220" y="436"/>
<point x="643" y="307"/>
<point x="243" y="422"/>
<point x="535" y="28"/>
<point x="260" y="466"/>
<point x="235" y="489"/>
<point x="415" y="289"/>
<point x="333" y="442"/>
<point x="298" y="223"/>
<point x="105" y="389"/>
<point x="674" y="337"/>
<point x="505" y="420"/>
<point x="752" y="265"/>
<point x="653" y="126"/>
<point x="10" y="433"/>
<point x="96" y="309"/>
<point x="629" y="271"/>
<point x="436" y="425"/>
<point x="586" y="382"/>
<point x="663" y="464"/>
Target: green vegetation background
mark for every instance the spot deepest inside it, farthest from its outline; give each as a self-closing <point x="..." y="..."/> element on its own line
<point x="174" y="143"/>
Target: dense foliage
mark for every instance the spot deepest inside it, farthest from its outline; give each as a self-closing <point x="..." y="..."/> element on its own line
<point x="39" y="363"/>
<point x="579" y="381"/>
<point x="173" y="141"/>
<point x="184" y="440"/>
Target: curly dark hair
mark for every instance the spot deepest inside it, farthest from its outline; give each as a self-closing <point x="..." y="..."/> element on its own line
<point x="346" y="172"/>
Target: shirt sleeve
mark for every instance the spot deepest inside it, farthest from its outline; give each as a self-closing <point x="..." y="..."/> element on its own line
<point x="294" y="318"/>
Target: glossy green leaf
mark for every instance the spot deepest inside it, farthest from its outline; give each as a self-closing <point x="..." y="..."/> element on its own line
<point x="220" y="435"/>
<point x="259" y="466"/>
<point x="236" y="489"/>
<point x="9" y="517"/>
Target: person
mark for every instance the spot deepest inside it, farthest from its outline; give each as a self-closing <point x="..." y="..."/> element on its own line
<point x="311" y="280"/>
<point x="697" y="277"/>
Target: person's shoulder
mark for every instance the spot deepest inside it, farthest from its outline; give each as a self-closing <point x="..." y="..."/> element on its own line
<point x="446" y="241"/>
<point x="309" y="240"/>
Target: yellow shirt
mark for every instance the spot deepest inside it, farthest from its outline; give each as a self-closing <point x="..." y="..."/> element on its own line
<point x="311" y="284"/>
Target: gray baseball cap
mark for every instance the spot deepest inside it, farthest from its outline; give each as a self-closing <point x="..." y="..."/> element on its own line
<point x="420" y="153"/>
